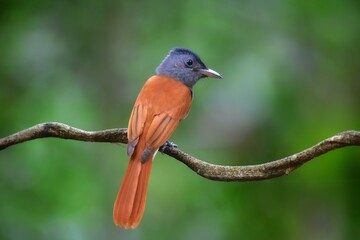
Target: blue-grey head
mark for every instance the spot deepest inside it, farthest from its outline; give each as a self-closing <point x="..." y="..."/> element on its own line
<point x="185" y="66"/>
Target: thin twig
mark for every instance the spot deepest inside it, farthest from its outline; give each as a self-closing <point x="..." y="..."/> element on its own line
<point x="211" y="171"/>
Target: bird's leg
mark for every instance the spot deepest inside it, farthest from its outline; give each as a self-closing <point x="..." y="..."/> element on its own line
<point x="166" y="145"/>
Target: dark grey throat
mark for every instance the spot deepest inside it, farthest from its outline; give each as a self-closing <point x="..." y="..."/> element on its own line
<point x="189" y="78"/>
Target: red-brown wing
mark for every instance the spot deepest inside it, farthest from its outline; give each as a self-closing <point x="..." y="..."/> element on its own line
<point x="170" y="108"/>
<point x="160" y="130"/>
<point x="160" y="106"/>
<point x="136" y="126"/>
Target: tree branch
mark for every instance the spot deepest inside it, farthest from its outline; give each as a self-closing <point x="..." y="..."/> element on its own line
<point x="211" y="171"/>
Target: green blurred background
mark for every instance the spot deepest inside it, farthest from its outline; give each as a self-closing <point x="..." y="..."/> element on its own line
<point x="291" y="78"/>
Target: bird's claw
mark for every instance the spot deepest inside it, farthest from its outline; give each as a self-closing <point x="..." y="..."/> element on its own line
<point x="166" y="145"/>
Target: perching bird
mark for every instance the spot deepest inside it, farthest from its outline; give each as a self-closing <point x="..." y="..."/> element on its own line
<point x="162" y="103"/>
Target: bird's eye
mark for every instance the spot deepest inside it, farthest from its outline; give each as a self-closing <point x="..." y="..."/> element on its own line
<point x="189" y="62"/>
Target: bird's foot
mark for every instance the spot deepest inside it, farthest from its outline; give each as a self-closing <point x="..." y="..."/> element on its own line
<point x="166" y="145"/>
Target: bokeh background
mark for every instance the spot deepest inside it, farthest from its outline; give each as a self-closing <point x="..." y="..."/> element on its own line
<point x="291" y="78"/>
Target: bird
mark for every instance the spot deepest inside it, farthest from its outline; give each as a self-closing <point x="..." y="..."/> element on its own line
<point x="163" y="101"/>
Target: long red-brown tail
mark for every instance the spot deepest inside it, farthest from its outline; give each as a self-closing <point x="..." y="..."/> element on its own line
<point x="130" y="202"/>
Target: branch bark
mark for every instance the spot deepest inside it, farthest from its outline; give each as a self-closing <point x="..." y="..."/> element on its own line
<point x="210" y="171"/>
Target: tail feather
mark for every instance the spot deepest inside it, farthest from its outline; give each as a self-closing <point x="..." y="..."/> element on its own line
<point x="130" y="202"/>
<point x="140" y="196"/>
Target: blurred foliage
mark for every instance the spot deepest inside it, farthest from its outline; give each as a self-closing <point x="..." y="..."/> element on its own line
<point x="291" y="78"/>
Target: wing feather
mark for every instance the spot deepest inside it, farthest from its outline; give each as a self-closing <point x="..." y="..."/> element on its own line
<point x="160" y="130"/>
<point x="136" y="126"/>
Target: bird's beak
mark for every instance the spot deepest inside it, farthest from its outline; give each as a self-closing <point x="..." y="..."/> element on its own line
<point x="210" y="73"/>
